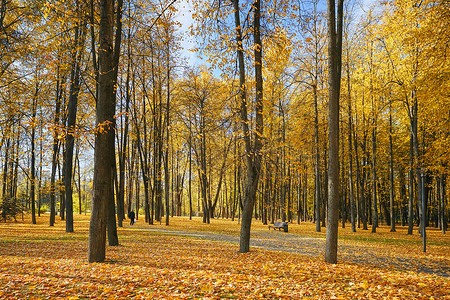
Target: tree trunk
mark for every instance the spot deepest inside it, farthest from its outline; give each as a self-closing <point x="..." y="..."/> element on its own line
<point x="55" y="151"/>
<point x="203" y="169"/>
<point x="166" y="162"/>
<point x="111" y="225"/>
<point x="324" y="189"/>
<point x="62" y="195"/>
<point x="104" y="138"/>
<point x="253" y="154"/>
<point x="221" y="177"/>
<point x="334" y="81"/>
<point x="350" y="154"/>
<point x="190" y="167"/>
<point x="411" y="189"/>
<point x="374" y="181"/>
<point x="41" y="154"/>
<point x="71" y="121"/>
<point x="317" y="197"/>
<point x="391" y="173"/>
<point x="122" y="154"/>
<point x="33" y="158"/>
<point x="443" y="199"/>
<point x="132" y="176"/>
<point x="5" y="166"/>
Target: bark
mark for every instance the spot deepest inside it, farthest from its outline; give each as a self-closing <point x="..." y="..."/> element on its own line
<point x="374" y="181"/>
<point x="203" y="167"/>
<point x="316" y="160"/>
<point x="300" y="212"/>
<point x="289" y="187"/>
<point x="33" y="158"/>
<point x="443" y="217"/>
<point x="416" y="154"/>
<point x="391" y="173"/>
<point x="122" y="161"/>
<point x="334" y="79"/>
<point x="94" y="53"/>
<point x="5" y="166"/>
<point x="104" y="138"/>
<point x="324" y="189"/>
<point x="221" y="176"/>
<point x="116" y="56"/>
<point x="403" y="197"/>
<point x="62" y="194"/>
<point x="253" y="154"/>
<point x="55" y="149"/>
<point x="350" y="155"/>
<point x="411" y="190"/>
<point x="235" y="180"/>
<point x="190" y="167"/>
<point x="144" y="169"/>
<point x="71" y="121"/>
<point x="77" y="161"/>
<point x="305" y="195"/>
<point x="158" y="146"/>
<point x="266" y="192"/>
<point x="360" y="178"/>
<point x="40" y="167"/>
<point x="132" y="176"/>
<point x="111" y="224"/>
<point x="283" y="167"/>
<point x="166" y="162"/>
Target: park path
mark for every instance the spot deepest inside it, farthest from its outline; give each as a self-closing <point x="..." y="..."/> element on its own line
<point x="365" y="255"/>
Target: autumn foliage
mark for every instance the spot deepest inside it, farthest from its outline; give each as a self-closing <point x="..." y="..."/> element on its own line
<point x="173" y="262"/>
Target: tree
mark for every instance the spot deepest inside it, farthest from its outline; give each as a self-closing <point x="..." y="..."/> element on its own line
<point x="253" y="150"/>
<point x="104" y="136"/>
<point x="33" y="153"/>
<point x="313" y="66"/>
<point x="334" y="83"/>
<point x="75" y="78"/>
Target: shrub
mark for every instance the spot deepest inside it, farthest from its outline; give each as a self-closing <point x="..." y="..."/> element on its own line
<point x="10" y="208"/>
<point x="43" y="209"/>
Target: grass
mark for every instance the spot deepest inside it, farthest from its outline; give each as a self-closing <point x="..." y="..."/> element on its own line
<point x="42" y="262"/>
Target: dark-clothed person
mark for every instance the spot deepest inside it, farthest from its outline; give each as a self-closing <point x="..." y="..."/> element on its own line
<point x="131" y="216"/>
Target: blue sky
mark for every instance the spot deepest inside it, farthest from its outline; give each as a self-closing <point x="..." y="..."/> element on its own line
<point x="185" y="18"/>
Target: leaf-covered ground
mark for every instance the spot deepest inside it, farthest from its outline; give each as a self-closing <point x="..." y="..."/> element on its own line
<point x="41" y="262"/>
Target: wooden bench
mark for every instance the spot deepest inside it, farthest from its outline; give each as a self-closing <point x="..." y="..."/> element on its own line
<point x="279" y="225"/>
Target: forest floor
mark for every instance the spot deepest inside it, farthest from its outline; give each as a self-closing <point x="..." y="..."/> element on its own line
<point x="192" y="260"/>
<point x="304" y="240"/>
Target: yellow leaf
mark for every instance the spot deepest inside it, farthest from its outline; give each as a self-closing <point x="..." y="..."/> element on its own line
<point x="421" y="284"/>
<point x="206" y="288"/>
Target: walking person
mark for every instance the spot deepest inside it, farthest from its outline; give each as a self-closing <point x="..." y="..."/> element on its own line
<point x="131" y="216"/>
